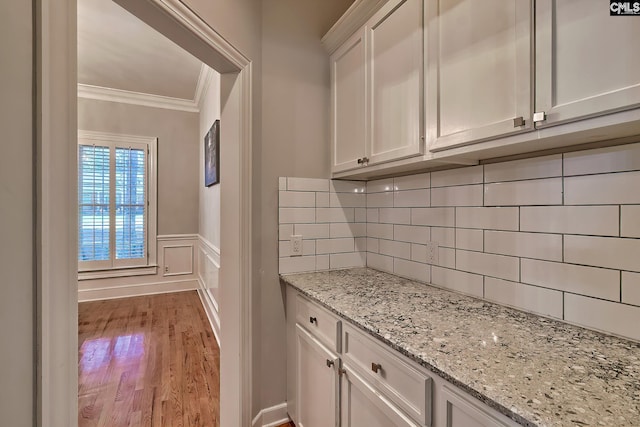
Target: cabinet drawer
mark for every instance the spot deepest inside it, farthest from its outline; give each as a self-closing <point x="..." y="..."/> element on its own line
<point x="319" y="322"/>
<point x="400" y="382"/>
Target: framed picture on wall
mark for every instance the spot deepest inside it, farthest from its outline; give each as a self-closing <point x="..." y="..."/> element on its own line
<point x="212" y="155"/>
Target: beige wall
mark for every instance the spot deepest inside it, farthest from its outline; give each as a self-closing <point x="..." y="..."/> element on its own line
<point x="209" y="201"/>
<point x="16" y="213"/>
<point x="178" y="153"/>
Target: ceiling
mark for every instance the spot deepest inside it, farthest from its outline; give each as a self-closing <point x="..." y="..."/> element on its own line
<point x="118" y="51"/>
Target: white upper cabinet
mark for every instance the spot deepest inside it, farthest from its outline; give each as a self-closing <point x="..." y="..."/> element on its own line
<point x="479" y="60"/>
<point x="348" y="100"/>
<point x="587" y="62"/>
<point x="395" y="38"/>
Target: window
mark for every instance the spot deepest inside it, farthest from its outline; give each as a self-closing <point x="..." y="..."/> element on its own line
<point x="116" y="201"/>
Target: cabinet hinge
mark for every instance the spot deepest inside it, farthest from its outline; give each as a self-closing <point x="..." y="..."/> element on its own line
<point x="539" y="117"/>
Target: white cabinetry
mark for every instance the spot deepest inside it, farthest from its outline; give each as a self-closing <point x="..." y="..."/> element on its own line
<point x="376" y="89"/>
<point x="586" y="62"/>
<point x="479" y="70"/>
<point x="460" y="411"/>
<point x="316" y="382"/>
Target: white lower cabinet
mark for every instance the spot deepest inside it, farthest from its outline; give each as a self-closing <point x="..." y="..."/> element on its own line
<point x="316" y="382"/>
<point x="358" y="381"/>
<point x="363" y="405"/>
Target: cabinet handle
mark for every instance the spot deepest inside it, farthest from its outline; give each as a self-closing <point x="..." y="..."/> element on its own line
<point x="313" y="320"/>
<point x="518" y="122"/>
<point x="360" y="161"/>
<point x="329" y="363"/>
<point x="342" y="371"/>
<point x="375" y="367"/>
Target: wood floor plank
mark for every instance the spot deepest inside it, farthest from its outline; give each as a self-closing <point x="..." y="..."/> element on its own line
<point x="147" y="361"/>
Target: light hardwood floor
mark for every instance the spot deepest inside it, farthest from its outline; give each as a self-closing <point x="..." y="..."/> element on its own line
<point x="147" y="361"/>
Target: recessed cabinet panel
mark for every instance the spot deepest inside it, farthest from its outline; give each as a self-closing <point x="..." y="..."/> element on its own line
<point x="461" y="412"/>
<point x="395" y="80"/>
<point x="320" y="323"/>
<point x="479" y="60"/>
<point x="363" y="406"/>
<point x="316" y="382"/>
<point x="348" y="98"/>
<point x="586" y="61"/>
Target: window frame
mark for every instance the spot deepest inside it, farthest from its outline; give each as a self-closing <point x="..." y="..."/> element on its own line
<point x="114" y="267"/>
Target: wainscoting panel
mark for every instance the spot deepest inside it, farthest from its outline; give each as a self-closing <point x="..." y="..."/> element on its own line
<point x="208" y="274"/>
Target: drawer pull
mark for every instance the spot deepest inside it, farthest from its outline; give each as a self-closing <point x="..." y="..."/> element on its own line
<point x="330" y="363"/>
<point x="375" y="367"/>
<point x="313" y="319"/>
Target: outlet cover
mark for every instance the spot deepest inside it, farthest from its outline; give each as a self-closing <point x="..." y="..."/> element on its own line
<point x="296" y="245"/>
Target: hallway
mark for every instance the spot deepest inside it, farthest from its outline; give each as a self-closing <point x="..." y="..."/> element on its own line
<point x="147" y="361"/>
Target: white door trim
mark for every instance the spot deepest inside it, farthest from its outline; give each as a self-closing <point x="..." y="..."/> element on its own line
<point x="57" y="202"/>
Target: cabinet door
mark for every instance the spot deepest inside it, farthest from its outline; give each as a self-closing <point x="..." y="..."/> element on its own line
<point x="586" y="61"/>
<point x="479" y="61"/>
<point x="348" y="97"/>
<point x="316" y="382"/>
<point x="363" y="405"/>
<point x="395" y="40"/>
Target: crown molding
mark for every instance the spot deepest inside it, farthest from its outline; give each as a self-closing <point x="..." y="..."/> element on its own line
<point x="353" y="19"/>
<point x="136" y="98"/>
<point x="204" y="81"/>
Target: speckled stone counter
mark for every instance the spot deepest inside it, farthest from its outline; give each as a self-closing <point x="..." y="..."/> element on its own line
<point x="536" y="371"/>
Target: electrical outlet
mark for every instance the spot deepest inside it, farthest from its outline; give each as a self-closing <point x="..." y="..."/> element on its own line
<point x="296" y="245"/>
<point x="432" y="253"/>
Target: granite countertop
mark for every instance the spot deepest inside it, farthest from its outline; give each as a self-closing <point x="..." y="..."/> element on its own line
<point x="536" y="371"/>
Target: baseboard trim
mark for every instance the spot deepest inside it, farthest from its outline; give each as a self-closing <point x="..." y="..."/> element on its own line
<point x="85" y="295"/>
<point x="211" y="313"/>
<point x="271" y="417"/>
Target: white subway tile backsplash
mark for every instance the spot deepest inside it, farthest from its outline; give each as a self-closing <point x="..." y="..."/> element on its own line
<point x="488" y="218"/>
<point x="395" y="216"/>
<point x="419" y="253"/>
<point x="361" y="214"/>
<point x="436" y="217"/>
<point x="373" y="245"/>
<point x="347" y="260"/>
<point x="380" y="262"/>
<point x="527" y="245"/>
<point x="460" y="281"/>
<point x="297" y="264"/>
<point x="395" y="249"/>
<point x="285" y="231"/>
<point x="531" y="298"/>
<point x="380" y="185"/>
<point x="603" y="160"/>
<point x="412" y="270"/>
<point x="412" y="198"/>
<point x="462" y="195"/>
<point x="500" y="266"/>
<point x="311" y="231"/>
<point x="444" y="236"/>
<point x="380" y="231"/>
<point x="411" y="233"/>
<point x="337" y="186"/>
<point x="631" y="288"/>
<point x="335" y="215"/>
<point x="578" y="279"/>
<point x="446" y="257"/>
<point x="307" y="184"/>
<point x="348" y="229"/>
<point x="538" y="167"/>
<point x="332" y="246"/>
<point x="607" y="189"/>
<point x="361" y="244"/>
<point x="322" y="200"/>
<point x="469" y="239"/>
<point x="373" y="215"/>
<point x="347" y="200"/>
<point x="297" y="199"/>
<point x="412" y="182"/>
<point x="603" y="315"/>
<point x="608" y="252"/>
<point x="516" y="193"/>
<point x="593" y="220"/>
<point x="630" y="221"/>
<point x="322" y="262"/>
<point x="282" y="183"/>
<point x="462" y="176"/>
<point x="380" y="200"/>
<point x="297" y="215"/>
